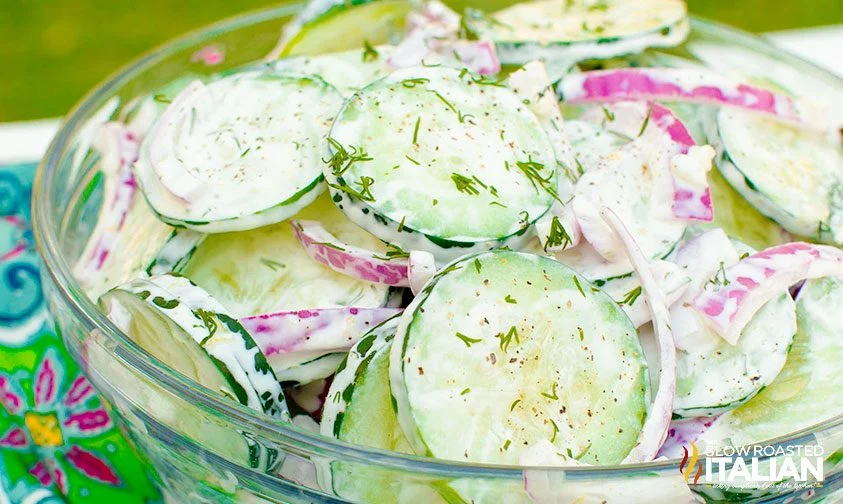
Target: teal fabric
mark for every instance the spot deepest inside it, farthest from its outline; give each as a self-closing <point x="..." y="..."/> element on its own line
<point x="58" y="439"/>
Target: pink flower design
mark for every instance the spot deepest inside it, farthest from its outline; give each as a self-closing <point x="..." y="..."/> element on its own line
<point x="56" y="416"/>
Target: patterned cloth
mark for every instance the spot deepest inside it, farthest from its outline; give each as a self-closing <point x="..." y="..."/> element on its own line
<point x="58" y="441"/>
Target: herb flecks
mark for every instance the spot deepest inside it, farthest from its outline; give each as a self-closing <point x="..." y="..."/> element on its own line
<point x="477" y="265"/>
<point x="344" y="158"/>
<point x="631" y="297"/>
<point x="558" y="236"/>
<point x="506" y="339"/>
<point x="579" y="286"/>
<point x="509" y="299"/>
<point x="460" y="116"/>
<point x="552" y="395"/>
<point x="555" y="431"/>
<point x="465" y="184"/>
<point x="721" y="278"/>
<point x="416" y="131"/>
<point x="273" y="265"/>
<point x="395" y="252"/>
<point x="363" y="194"/>
<point x="411" y="83"/>
<point x="468" y="341"/>
<point x="330" y="245"/>
<point x="369" y="52"/>
<point x="646" y="121"/>
<point x="532" y="170"/>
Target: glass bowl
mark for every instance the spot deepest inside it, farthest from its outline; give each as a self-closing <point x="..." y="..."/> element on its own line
<point x="199" y="443"/>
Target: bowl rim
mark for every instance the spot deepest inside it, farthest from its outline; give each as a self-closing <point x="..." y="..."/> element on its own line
<point x="59" y="272"/>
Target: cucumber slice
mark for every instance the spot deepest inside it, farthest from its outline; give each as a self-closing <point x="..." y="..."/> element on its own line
<point x="200" y="345"/>
<point x="239" y="153"/>
<point x="714" y="376"/>
<point x="807" y="391"/>
<point x="441" y="160"/>
<point x="580" y="29"/>
<point x="347" y="71"/>
<point x="516" y="349"/>
<point x="358" y="409"/>
<point x="793" y="176"/>
<point x="338" y="25"/>
<point x="267" y="271"/>
<point x="158" y="333"/>
<point x="176" y="252"/>
<point x="227" y="344"/>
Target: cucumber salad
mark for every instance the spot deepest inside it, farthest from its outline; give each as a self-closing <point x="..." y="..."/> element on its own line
<point x="513" y="237"/>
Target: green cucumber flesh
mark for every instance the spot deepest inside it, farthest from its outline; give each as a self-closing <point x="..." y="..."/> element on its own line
<point x="358" y="409"/>
<point x="504" y="350"/>
<point x="807" y="391"/>
<point x="792" y="176"/>
<point x="712" y="375"/>
<point x="238" y="153"/>
<point x="448" y="158"/>
<point x="220" y="336"/>
<point x="739" y="219"/>
<point x="157" y="333"/>
<point x="266" y="270"/>
<point x="580" y="29"/>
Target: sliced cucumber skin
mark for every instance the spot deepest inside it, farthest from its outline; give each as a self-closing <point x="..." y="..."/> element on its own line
<point x="226" y="342"/>
<point x="434" y="214"/>
<point x="245" y="204"/>
<point x="231" y="380"/>
<point x="430" y="435"/>
<point x="358" y="409"/>
<point x="176" y="252"/>
<point x="806" y="392"/>
<point x="586" y="41"/>
<point x="802" y="205"/>
<point x="361" y="373"/>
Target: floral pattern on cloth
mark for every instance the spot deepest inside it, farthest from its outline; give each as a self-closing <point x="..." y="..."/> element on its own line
<point x="58" y="440"/>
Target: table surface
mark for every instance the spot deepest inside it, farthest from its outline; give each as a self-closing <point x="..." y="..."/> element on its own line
<point x="27" y="141"/>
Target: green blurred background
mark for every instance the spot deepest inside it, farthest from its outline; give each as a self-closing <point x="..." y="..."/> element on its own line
<point x="53" y="51"/>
